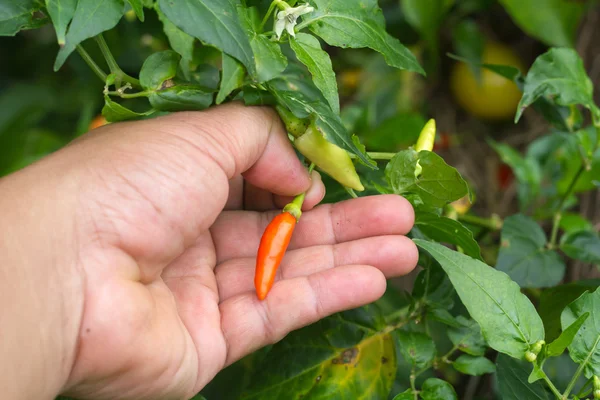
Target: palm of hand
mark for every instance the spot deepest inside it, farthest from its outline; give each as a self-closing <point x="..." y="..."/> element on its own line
<point x="169" y="296"/>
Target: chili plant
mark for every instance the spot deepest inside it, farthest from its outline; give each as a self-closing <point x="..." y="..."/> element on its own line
<point x="463" y="316"/>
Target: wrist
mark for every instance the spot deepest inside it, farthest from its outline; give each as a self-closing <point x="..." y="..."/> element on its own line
<point x="41" y="287"/>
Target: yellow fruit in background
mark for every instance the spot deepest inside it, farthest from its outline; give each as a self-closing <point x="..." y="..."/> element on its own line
<point x="349" y="79"/>
<point x="494" y="97"/>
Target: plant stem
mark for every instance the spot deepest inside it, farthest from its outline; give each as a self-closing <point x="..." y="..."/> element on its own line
<point x="494" y="223"/>
<point x="381" y="156"/>
<point x="413" y="378"/>
<point x="304" y="24"/>
<point x="91" y="63"/>
<point x="580" y="370"/>
<point x="131" y="95"/>
<point x="113" y="66"/>
<point x="295" y="206"/>
<point x="583" y="392"/>
<point x="563" y="200"/>
<point x="553" y="388"/>
<point x="267" y="15"/>
<point x="377" y="155"/>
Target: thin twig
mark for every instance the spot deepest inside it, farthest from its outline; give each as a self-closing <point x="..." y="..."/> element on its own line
<point x="91" y="63"/>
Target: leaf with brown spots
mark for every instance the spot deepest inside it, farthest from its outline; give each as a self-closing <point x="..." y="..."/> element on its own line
<point x="344" y="356"/>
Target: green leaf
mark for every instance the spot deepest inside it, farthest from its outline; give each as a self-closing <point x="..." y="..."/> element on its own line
<point x="585" y="348"/>
<point x="309" y="52"/>
<point x="432" y="285"/>
<point x="16" y="15"/>
<point x="232" y="77"/>
<point x="472" y="365"/>
<point x="328" y="123"/>
<point x="159" y="68"/>
<point x="417" y="348"/>
<point x="557" y="115"/>
<point x="537" y="372"/>
<point x="437" y="389"/>
<point x="467" y="337"/>
<point x="257" y="97"/>
<point x="427" y="17"/>
<point x="558" y="73"/>
<point x="437" y="185"/>
<point x="557" y="347"/>
<point x="214" y="22"/>
<point x="138" y="8"/>
<point x="269" y="60"/>
<point x="443" y="316"/>
<point x="512" y="380"/>
<point x="524" y="256"/>
<point x="407" y="395"/>
<point x="446" y="230"/>
<point x="572" y="222"/>
<point x="535" y="16"/>
<point x="61" y="12"/>
<point x="507" y="318"/>
<point x="393" y="303"/>
<point x="397" y="132"/>
<point x="183" y="97"/>
<point x="554" y="300"/>
<point x="588" y="139"/>
<point x="114" y="112"/>
<point x="526" y="170"/>
<point x="582" y="245"/>
<point x="91" y="18"/>
<point x="469" y="43"/>
<point x="357" y="25"/>
<point x="345" y="355"/>
<point x="180" y="41"/>
<point x="240" y="372"/>
<point x="587" y="178"/>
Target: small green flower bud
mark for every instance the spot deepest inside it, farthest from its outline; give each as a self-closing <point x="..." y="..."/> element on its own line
<point x="597" y="394"/>
<point x="596" y="382"/>
<point x="531" y="357"/>
<point x="537" y="347"/>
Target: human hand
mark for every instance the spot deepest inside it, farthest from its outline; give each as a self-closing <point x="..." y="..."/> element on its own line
<point x="166" y="232"/>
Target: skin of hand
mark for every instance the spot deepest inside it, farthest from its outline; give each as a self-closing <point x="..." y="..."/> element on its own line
<point x="127" y="257"/>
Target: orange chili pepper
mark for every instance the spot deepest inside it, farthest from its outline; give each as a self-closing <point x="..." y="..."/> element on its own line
<point x="273" y="245"/>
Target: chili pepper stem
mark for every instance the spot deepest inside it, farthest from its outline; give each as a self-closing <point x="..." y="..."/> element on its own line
<point x="295" y="206"/>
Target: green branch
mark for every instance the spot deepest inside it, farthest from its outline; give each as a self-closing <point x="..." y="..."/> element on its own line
<point x="565" y="395"/>
<point x="494" y="223"/>
<point x="413" y="388"/>
<point x="377" y="155"/>
<point x="267" y="15"/>
<point x="112" y="64"/>
<point x="583" y="392"/>
<point x="553" y="388"/>
<point x="91" y="63"/>
<point x="131" y="95"/>
<point x="558" y="216"/>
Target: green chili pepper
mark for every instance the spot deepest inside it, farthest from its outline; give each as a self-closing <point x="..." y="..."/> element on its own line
<point x="293" y="124"/>
<point x="333" y="160"/>
<point x="427" y="137"/>
<point x="425" y="142"/>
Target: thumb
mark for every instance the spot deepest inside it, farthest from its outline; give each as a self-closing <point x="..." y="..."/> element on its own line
<point x="250" y="141"/>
